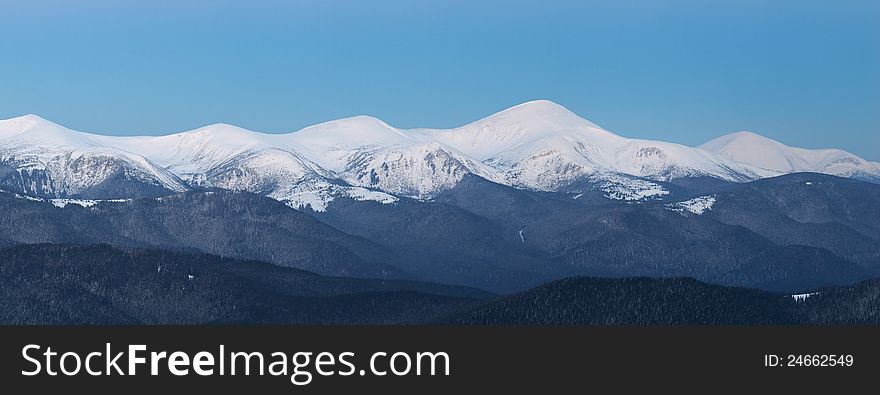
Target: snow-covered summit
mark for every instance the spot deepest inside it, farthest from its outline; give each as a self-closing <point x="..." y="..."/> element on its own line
<point x="196" y="151"/>
<point x="366" y="152"/>
<point x="24" y="123"/>
<point x="520" y="128"/>
<point x="34" y="130"/>
<point x="757" y="150"/>
<point x="333" y="143"/>
<point x="50" y="160"/>
<point x="544" y="146"/>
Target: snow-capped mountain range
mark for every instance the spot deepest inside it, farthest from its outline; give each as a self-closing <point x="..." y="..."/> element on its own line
<point x="537" y="145"/>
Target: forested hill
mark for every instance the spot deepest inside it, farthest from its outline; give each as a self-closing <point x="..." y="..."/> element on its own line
<point x="66" y="284"/>
<point x="674" y="301"/>
<point x="98" y="284"/>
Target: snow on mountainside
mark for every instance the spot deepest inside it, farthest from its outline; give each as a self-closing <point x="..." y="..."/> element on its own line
<point x="366" y="152"/>
<point x="230" y="157"/>
<point x="619" y="187"/>
<point x="194" y="152"/>
<point x="543" y="146"/>
<point x="45" y="159"/>
<point x="697" y="205"/>
<point x="285" y="176"/>
<point x="761" y="151"/>
<point x="62" y="203"/>
<point x="537" y="145"/>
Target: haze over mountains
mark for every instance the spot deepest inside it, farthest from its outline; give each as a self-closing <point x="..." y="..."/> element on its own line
<point x="538" y="146"/>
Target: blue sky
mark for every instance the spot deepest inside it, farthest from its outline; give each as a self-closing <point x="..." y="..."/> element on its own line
<point x="804" y="72"/>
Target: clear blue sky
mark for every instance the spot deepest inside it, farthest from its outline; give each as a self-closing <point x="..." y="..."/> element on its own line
<point x="804" y="72"/>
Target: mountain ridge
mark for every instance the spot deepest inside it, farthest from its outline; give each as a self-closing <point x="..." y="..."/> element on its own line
<point x="783" y="233"/>
<point x="747" y="146"/>
<point x="538" y="145"/>
<point x="102" y="285"/>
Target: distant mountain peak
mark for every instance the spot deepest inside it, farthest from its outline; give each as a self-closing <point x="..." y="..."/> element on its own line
<point x="223" y="130"/>
<point x="744" y="136"/>
<point x="539" y="113"/>
<point x="26" y="122"/>
<point x="758" y="150"/>
<point x="36" y="130"/>
<point x="360" y="129"/>
<point x="539" y="106"/>
<point x="222" y="126"/>
<point x="355" y="123"/>
<point x="30" y="117"/>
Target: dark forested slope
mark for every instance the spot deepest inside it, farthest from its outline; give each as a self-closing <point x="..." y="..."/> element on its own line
<point x="65" y="284"/>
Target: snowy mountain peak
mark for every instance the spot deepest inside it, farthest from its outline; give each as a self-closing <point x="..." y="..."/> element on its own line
<point x="757" y="150"/>
<point x="538" y="116"/>
<point x="48" y="159"/>
<point x="27" y="119"/>
<point x="544" y="146"/>
<point x="538" y="129"/>
<point x="221" y="128"/>
<point x="33" y="130"/>
<point x="195" y="151"/>
<point x="738" y="138"/>
<point x="25" y="123"/>
<point x="220" y="133"/>
<point x="541" y="110"/>
<point x="361" y="129"/>
<point x="332" y="143"/>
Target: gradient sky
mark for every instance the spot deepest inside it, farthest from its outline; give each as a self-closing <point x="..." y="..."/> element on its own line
<point x="803" y="72"/>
